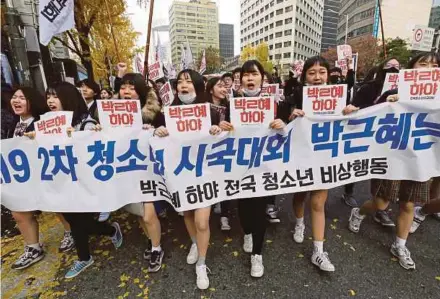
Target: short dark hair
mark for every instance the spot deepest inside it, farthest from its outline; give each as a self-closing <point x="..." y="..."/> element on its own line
<point x="424" y="57"/>
<point x="335" y="69"/>
<point x="236" y="70"/>
<point x="35" y="100"/>
<point x="71" y="100"/>
<point x="90" y="84"/>
<point x="311" y="62"/>
<point x="199" y="86"/>
<point x="248" y="67"/>
<point x="227" y="75"/>
<point x="141" y="88"/>
<point x="210" y="86"/>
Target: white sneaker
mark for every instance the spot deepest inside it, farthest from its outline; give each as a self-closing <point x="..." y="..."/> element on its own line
<point x="193" y="255"/>
<point x="217" y="209"/>
<point x="322" y="261"/>
<point x="418" y="219"/>
<point x="257" y="268"/>
<point x="103" y="216"/>
<point x="298" y="234"/>
<point x="355" y="220"/>
<point x="202" y="277"/>
<point x="404" y="256"/>
<point x="224" y="223"/>
<point x="247" y="244"/>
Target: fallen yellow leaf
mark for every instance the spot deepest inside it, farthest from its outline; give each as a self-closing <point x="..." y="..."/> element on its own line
<point x="133" y="262"/>
<point x="136" y="280"/>
<point x="300" y="255"/>
<point x="139" y="295"/>
<point x="335" y="220"/>
<point x="394" y="259"/>
<point x="120" y="297"/>
<point x="269" y="241"/>
<point x="126" y="294"/>
<point x="105" y="253"/>
<point x="228" y="240"/>
<point x="121" y="285"/>
<point x="332" y="226"/>
<point x="141" y="286"/>
<point x="352" y="293"/>
<point x="212" y="289"/>
<point x="175" y="240"/>
<point x="437" y="278"/>
<point x="124" y="277"/>
<point x="235" y="253"/>
<point x="163" y="266"/>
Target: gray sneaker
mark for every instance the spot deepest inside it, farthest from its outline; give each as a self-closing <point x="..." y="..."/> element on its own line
<point x="349" y="200"/>
<point x="383" y="219"/>
<point x="404" y="256"/>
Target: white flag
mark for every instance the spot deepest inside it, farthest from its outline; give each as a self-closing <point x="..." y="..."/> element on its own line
<point x="189" y="56"/>
<point x="203" y="63"/>
<point x="54" y="17"/>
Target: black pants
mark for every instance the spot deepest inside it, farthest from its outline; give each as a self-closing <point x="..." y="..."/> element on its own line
<point x="348" y="189"/>
<point x="252" y="214"/>
<point x="226" y="208"/>
<point x="84" y="225"/>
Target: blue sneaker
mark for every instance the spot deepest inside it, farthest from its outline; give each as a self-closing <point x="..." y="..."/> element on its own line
<point x="117" y="237"/>
<point x="78" y="267"/>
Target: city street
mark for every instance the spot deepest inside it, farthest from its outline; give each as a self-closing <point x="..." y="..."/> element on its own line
<point x="364" y="266"/>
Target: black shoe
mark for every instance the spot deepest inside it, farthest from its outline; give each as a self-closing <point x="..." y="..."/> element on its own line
<point x="67" y="243"/>
<point x="383" y="219"/>
<point x="349" y="200"/>
<point x="155" y="261"/>
<point x="147" y="252"/>
<point x="28" y="258"/>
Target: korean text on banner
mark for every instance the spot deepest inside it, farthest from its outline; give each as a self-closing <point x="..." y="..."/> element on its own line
<point x="119" y="113"/>
<point x="166" y="94"/>
<point x="103" y="171"/>
<point x="155" y="71"/>
<point x="344" y="52"/>
<point x="188" y="119"/>
<point x="391" y="82"/>
<point x="419" y="84"/>
<point x="252" y="111"/>
<point x="324" y="99"/>
<point x="54" y="123"/>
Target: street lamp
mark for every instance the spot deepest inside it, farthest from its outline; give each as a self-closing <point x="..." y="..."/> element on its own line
<point x="346" y="23"/>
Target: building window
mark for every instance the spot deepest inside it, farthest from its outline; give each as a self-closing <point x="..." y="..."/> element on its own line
<point x="288" y="32"/>
<point x="289" y="8"/>
<point x="279" y="1"/>
<point x="277" y="56"/>
<point x="286" y="55"/>
<point x="279" y="11"/>
<point x="288" y="21"/>
<point x="271" y="47"/>
<point x="287" y="44"/>
<point x="278" y="45"/>
<point x="271" y="26"/>
<point x="279" y="34"/>
<point x="279" y="23"/>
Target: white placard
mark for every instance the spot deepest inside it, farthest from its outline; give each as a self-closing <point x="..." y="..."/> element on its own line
<point x="188" y="119"/>
<point x="419" y="84"/>
<point x="166" y="94"/>
<point x="54" y="123"/>
<point x="344" y="51"/>
<point x="119" y="113"/>
<point x="252" y="111"/>
<point x="391" y="82"/>
<point x="324" y="99"/>
<point x="155" y="71"/>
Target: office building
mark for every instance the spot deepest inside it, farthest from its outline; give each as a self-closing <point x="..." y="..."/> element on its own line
<point x="399" y="18"/>
<point x="195" y="22"/>
<point x="291" y="28"/>
<point x="226" y="40"/>
<point x="434" y="18"/>
<point x="330" y="24"/>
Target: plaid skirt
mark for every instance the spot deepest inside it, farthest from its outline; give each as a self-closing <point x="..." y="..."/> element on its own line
<point x="416" y="192"/>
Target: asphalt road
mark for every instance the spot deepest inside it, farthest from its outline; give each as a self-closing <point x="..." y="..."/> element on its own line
<point x="364" y="266"/>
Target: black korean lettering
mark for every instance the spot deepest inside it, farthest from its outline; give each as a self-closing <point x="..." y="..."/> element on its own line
<point x="148" y="187"/>
<point x="378" y="165"/>
<point x="328" y="174"/>
<point x="232" y="187"/>
<point x="343" y="172"/>
<point x="308" y="175"/>
<point x="270" y="181"/>
<point x="287" y="180"/>
<point x="248" y="183"/>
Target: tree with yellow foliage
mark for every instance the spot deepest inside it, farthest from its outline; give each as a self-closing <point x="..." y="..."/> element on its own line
<point x="92" y="40"/>
<point x="260" y="53"/>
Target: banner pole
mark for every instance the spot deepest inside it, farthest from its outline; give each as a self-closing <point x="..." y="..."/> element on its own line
<point x="147" y="45"/>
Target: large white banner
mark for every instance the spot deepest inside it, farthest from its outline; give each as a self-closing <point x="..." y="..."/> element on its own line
<point x="103" y="171"/>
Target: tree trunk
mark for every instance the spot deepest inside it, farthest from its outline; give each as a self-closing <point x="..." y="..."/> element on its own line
<point x="86" y="58"/>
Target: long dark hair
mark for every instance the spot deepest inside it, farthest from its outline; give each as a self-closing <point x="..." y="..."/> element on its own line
<point x="209" y="87"/>
<point x="71" y="100"/>
<point x="199" y="86"/>
<point x="249" y="66"/>
<point x="381" y="72"/>
<point x="310" y="63"/>
<point x="140" y="86"/>
<point x="35" y="101"/>
<point x="424" y="57"/>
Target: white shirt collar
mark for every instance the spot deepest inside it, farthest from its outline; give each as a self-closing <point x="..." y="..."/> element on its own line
<point x="27" y="121"/>
<point x="90" y="104"/>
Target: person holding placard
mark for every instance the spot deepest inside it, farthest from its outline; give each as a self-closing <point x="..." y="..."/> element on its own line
<point x="64" y="96"/>
<point x="134" y="87"/>
<point x="216" y="93"/>
<point x="315" y="72"/>
<point x="406" y="193"/>
<point x="252" y="211"/>
<point x="367" y="95"/>
<point x="28" y="104"/>
<point x="191" y="90"/>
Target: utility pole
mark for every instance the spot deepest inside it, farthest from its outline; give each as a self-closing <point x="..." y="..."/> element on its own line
<point x="381" y="29"/>
<point x="147" y="45"/>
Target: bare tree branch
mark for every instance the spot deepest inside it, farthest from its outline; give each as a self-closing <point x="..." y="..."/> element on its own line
<point x="67" y="45"/>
